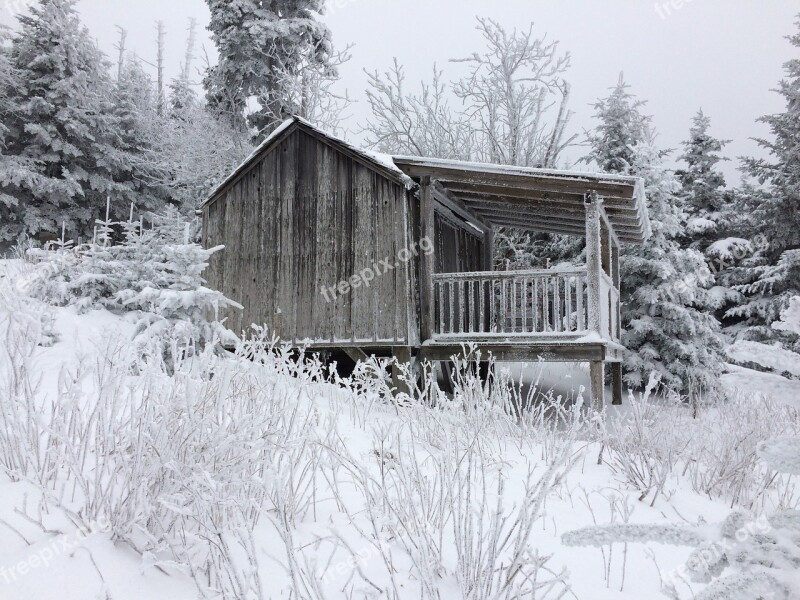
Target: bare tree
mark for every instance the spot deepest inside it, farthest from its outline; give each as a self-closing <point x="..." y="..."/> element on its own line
<point x="422" y="124"/>
<point x="305" y="88"/>
<point x="161" y="34"/>
<point x="513" y="105"/>
<point x="120" y="47"/>
<point x="191" y="42"/>
<point x="510" y="93"/>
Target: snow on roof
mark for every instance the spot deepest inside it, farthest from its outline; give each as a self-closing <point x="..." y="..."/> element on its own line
<point x="380" y="160"/>
<point x="479" y="167"/>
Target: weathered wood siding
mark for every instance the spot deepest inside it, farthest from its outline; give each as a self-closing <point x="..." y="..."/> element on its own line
<point x="307" y="215"/>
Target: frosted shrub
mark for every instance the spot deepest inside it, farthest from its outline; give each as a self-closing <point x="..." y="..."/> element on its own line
<point x="645" y="446"/>
<point x="154" y="274"/>
<point x="721" y="458"/>
<point x="790" y="317"/>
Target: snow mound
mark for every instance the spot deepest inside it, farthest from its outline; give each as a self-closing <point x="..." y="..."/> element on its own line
<point x="782" y="454"/>
<point x="771" y="358"/>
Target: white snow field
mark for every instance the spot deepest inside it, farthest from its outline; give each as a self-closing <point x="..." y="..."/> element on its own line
<point x="257" y="476"/>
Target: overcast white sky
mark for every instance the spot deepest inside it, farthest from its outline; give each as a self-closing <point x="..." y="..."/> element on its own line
<point x="722" y="55"/>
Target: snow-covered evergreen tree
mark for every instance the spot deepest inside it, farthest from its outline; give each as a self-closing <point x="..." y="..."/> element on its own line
<point x="265" y="49"/>
<point x="139" y="127"/>
<point x="63" y="127"/>
<point x="153" y="274"/>
<point x="772" y="276"/>
<point x="707" y="204"/>
<point x="10" y="215"/>
<point x="710" y="212"/>
<point x="664" y="292"/>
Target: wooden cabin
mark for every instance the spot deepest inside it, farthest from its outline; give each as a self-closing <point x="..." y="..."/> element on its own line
<point x="341" y="250"/>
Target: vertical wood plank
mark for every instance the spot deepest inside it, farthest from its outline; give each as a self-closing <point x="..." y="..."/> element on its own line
<point x="269" y="237"/>
<point x="286" y="279"/>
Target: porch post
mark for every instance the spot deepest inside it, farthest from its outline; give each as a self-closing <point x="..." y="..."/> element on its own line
<point x="427" y="261"/>
<point x="594" y="264"/>
<point x="593" y="259"/>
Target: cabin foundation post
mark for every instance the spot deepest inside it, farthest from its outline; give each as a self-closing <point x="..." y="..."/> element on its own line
<point x="597" y="377"/>
<point x="402" y="356"/>
<point x="616" y="384"/>
<point x="594" y="264"/>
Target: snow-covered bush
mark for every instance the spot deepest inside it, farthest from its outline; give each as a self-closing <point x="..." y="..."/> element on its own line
<point x="154" y="273"/>
<point x="790" y="317"/>
<point x="644" y="447"/>
<point x="721" y="459"/>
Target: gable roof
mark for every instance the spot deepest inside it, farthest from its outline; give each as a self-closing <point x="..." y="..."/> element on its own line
<point x="380" y="163"/>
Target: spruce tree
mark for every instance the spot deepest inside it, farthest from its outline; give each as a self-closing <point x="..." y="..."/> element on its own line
<point x="139" y="127"/>
<point x="706" y="200"/>
<point x="710" y="211"/>
<point x="772" y="276"/>
<point x="63" y="130"/>
<point x="664" y="287"/>
<point x="10" y="216"/>
<point x="264" y="47"/>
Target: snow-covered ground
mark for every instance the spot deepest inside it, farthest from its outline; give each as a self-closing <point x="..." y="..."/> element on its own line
<point x="284" y="485"/>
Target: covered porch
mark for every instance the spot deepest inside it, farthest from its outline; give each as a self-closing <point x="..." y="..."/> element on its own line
<point x="562" y="314"/>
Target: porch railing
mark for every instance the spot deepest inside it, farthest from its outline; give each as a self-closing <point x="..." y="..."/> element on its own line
<point x="535" y="303"/>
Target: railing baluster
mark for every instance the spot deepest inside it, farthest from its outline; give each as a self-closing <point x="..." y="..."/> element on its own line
<point x="450" y="306"/>
<point x="568" y="302"/>
<point x="579" y="294"/>
<point x="481" y="303"/>
<point x="491" y="305"/>
<point x="557" y="304"/>
<point x="502" y="309"/>
<point x="461" y="314"/>
<point x="546" y="303"/>
<point x="513" y="327"/>
<point x="468" y="305"/>
<point x="524" y="305"/>
<point x="441" y="307"/>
